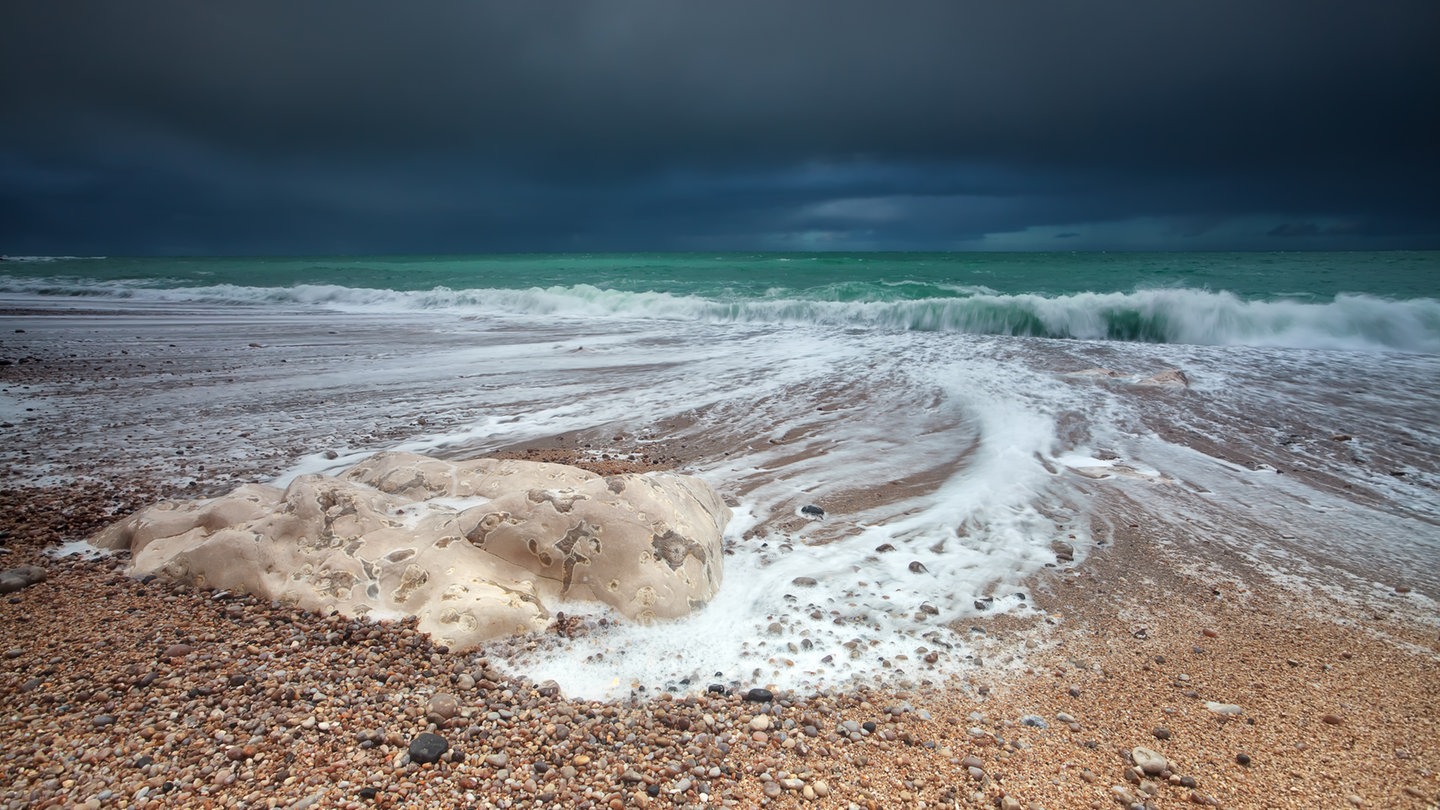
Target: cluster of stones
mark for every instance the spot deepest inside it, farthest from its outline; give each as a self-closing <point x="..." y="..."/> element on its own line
<point x="227" y="699"/>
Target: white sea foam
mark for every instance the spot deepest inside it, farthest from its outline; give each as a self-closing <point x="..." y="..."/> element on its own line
<point x="1177" y="316"/>
<point x="959" y="452"/>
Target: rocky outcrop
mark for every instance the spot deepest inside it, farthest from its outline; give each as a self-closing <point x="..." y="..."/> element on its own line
<point x="476" y="550"/>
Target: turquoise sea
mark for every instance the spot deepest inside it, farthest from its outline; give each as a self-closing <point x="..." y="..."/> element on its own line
<point x="1321" y="300"/>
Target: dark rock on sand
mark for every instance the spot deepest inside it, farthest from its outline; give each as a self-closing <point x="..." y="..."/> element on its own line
<point x="16" y="579"/>
<point x="759" y="695"/>
<point x="812" y="509"/>
<point x="428" y="748"/>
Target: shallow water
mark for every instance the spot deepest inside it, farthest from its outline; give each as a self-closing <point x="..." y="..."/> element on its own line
<point x="966" y="456"/>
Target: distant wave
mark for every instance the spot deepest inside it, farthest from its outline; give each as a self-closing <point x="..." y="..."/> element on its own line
<point x="43" y="259"/>
<point x="1354" y="322"/>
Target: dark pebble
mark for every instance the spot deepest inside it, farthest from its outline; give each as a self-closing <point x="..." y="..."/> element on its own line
<point x="368" y="793"/>
<point x="145" y="761"/>
<point x="718" y="689"/>
<point x="427" y="748"/>
<point x="869" y="726"/>
<point x="759" y="696"/>
<point x="812" y="509"/>
<point x="1161" y="733"/>
<point x="1242" y="758"/>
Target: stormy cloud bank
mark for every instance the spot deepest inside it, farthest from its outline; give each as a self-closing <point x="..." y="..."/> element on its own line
<point x="321" y="127"/>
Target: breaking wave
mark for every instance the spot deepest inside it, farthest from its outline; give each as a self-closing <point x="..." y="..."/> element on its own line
<point x="1183" y="316"/>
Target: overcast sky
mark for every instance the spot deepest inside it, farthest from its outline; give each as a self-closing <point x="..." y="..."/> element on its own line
<point x="344" y="126"/>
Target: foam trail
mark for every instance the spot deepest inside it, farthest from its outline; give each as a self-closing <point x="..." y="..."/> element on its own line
<point x="801" y="616"/>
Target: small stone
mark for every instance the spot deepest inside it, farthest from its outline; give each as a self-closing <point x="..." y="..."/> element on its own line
<point x="1150" y="761"/>
<point x="428" y="747"/>
<point x="1065" y="717"/>
<point x="498" y="760"/>
<point x="1034" y="721"/>
<point x="822" y="788"/>
<point x="1010" y="803"/>
<point x="917" y="567"/>
<point x="444" y="706"/>
<point x="804" y="582"/>
<point x="631" y="775"/>
<point x="760" y="722"/>
<point x="1331" y="719"/>
<point x="1228" y="709"/>
<point x="758" y="695"/>
<point x="1161" y="733"/>
<point x="813" y="510"/>
<point x="1242" y="758"/>
<point x="103" y="720"/>
<point x="177" y="651"/>
<point x="465" y="682"/>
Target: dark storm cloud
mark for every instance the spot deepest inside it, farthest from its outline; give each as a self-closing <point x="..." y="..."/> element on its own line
<point x="663" y="124"/>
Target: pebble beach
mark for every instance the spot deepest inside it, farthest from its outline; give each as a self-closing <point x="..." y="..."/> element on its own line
<point x="1141" y="686"/>
<point x="1150" y="668"/>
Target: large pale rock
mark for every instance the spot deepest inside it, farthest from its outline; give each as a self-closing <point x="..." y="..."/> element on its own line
<point x="476" y="549"/>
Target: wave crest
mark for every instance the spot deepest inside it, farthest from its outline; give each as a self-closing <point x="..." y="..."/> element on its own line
<point x="1186" y="316"/>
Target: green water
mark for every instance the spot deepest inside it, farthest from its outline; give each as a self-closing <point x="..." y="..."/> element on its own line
<point x="832" y="277"/>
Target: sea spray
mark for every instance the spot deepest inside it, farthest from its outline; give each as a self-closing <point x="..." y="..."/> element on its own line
<point x="1171" y="315"/>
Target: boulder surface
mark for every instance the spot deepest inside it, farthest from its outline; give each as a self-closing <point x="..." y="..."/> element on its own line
<point x="476" y="549"/>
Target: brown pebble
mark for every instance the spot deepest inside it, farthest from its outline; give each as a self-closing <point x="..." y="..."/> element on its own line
<point x="1331" y="719"/>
